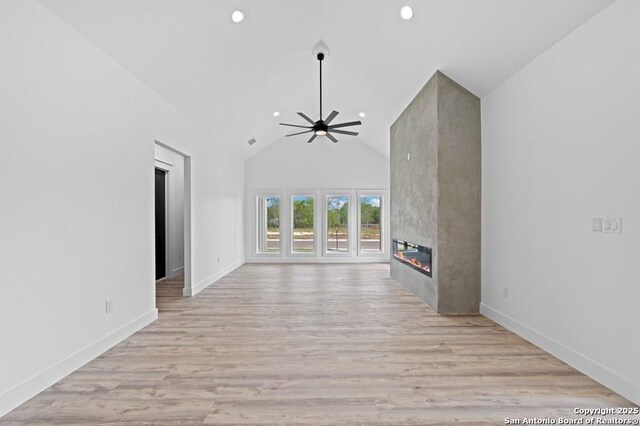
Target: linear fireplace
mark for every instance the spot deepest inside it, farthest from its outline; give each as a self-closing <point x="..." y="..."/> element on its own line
<point x="414" y="255"/>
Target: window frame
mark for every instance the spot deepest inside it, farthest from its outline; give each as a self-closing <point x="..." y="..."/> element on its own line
<point x="314" y="196"/>
<point x="383" y="200"/>
<point x="325" y="225"/>
<point x="257" y="197"/>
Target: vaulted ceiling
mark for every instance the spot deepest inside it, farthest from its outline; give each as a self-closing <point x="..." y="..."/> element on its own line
<point x="230" y="78"/>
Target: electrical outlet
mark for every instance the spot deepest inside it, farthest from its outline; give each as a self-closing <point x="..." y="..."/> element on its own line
<point x="408" y="156"/>
<point x="505" y="292"/>
<point x="218" y="259"/>
<point x="108" y="306"/>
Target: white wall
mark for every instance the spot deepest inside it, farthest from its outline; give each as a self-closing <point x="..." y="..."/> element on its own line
<point x="561" y="146"/>
<point x="77" y="138"/>
<point x="292" y="166"/>
<point x="173" y="163"/>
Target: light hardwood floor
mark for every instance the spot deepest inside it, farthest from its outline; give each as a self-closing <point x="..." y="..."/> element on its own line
<point x="169" y="288"/>
<point x="314" y="344"/>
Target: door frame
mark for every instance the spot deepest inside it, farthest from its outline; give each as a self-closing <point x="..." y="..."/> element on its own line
<point x="188" y="264"/>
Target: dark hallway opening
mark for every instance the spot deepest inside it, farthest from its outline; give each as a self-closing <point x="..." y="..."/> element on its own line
<point x="161" y="218"/>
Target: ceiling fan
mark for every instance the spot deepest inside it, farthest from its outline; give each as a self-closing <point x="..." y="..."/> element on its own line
<point x="323" y="127"/>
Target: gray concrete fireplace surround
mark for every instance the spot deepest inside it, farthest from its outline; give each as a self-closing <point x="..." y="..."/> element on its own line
<point x="435" y="193"/>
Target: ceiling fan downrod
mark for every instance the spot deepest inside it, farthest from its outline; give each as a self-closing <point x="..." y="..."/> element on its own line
<point x="320" y="59"/>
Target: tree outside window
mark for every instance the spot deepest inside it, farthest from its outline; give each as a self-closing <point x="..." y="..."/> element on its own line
<point x="337" y="223"/>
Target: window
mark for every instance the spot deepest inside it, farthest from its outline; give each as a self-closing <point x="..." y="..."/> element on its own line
<point x="337" y="231"/>
<point x="370" y="223"/>
<point x="268" y="213"/>
<point x="302" y="239"/>
<point x="311" y="223"/>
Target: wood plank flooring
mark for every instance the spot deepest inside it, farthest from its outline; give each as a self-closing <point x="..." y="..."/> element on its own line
<point x="170" y="287"/>
<point x="314" y="344"/>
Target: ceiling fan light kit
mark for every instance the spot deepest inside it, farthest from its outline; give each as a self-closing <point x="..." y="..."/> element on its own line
<point x="323" y="127"/>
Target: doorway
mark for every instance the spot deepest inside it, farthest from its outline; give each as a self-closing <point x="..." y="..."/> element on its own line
<point x="161" y="223"/>
<point x="172" y="206"/>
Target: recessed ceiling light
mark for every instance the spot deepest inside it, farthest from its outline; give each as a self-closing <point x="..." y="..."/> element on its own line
<point x="406" y="12"/>
<point x="237" y="16"/>
<point x="362" y="114"/>
<point x="276" y="113"/>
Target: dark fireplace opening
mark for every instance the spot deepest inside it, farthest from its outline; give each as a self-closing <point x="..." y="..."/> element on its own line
<point x="414" y="255"/>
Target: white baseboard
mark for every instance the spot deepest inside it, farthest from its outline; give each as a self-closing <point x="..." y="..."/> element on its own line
<point x="309" y="259"/>
<point x="188" y="292"/>
<point x="606" y="376"/>
<point x="30" y="388"/>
